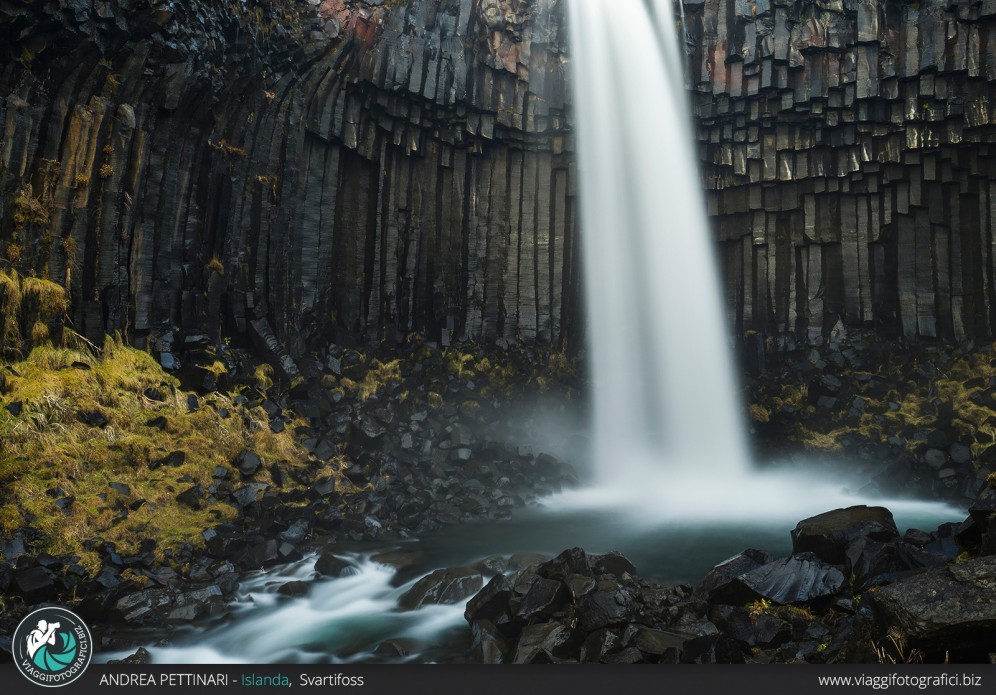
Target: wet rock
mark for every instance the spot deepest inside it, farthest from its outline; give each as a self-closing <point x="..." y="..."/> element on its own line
<point x="603" y="608"/>
<point x="295" y="588"/>
<point x="544" y="597"/>
<point x="141" y="605"/>
<point x="15" y="408"/>
<point x="945" y="608"/>
<point x="612" y="563"/>
<point x="870" y="562"/>
<point x="660" y="643"/>
<point x="827" y="535"/>
<point x="599" y="644"/>
<point x="797" y="579"/>
<point x="572" y="561"/>
<point x="542" y="643"/>
<point x="441" y="587"/>
<point x="12" y="548"/>
<point x="579" y="585"/>
<point x="491" y="601"/>
<point x="489" y="645"/>
<point x="727" y="571"/>
<point x="331" y="566"/>
<point x="756" y="629"/>
<point x="395" y="648"/>
<point x="712" y="649"/>
<point x="141" y="656"/>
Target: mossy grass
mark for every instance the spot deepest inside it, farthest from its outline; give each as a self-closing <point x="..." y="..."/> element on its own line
<point x="29" y="308"/>
<point x="378" y="378"/>
<point x="913" y="402"/>
<point x="48" y="452"/>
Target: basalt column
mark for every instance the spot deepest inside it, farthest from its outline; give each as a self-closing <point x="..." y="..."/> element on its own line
<point x="292" y="172"/>
<point x="850" y="158"/>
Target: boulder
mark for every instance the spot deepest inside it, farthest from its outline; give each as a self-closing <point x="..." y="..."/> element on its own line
<point x="35" y="584"/>
<point x="827" y="535"/>
<point x="191" y="497"/>
<point x="612" y="563"/>
<point x="542" y="643"/>
<point x="173" y="459"/>
<point x="573" y="561"/>
<point x="797" y="579"/>
<point x="248" y="462"/>
<point x="442" y="586"/>
<point x="756" y="629"/>
<point x="949" y="607"/>
<point x="491" y="601"/>
<point x="544" y="597"/>
<point x="141" y="656"/>
<point x="331" y="566"/>
<point x="727" y="571"/>
<point x="489" y="646"/>
<point x="603" y="608"/>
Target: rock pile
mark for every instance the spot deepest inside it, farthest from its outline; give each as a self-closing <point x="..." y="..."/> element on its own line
<point x="853" y="590"/>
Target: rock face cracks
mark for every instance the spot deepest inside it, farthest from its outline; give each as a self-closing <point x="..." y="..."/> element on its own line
<point x="290" y="173"/>
<point x="848" y="149"/>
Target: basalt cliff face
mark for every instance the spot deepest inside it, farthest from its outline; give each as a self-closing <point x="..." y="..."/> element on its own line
<point x="297" y="172"/>
<point x="850" y="156"/>
<point x="291" y="172"/>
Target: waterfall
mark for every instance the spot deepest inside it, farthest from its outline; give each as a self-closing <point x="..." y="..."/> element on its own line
<point x="665" y="395"/>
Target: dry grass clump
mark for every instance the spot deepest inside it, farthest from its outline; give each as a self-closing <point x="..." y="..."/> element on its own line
<point x="29" y="309"/>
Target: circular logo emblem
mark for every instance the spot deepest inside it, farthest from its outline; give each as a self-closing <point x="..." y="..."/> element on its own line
<point x="52" y="647"/>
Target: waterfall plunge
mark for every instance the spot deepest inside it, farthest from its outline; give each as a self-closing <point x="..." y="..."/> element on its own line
<point x="663" y="378"/>
<point x="669" y="442"/>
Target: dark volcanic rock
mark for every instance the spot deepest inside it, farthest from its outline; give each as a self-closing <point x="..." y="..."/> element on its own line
<point x="442" y="586"/>
<point x="35" y="584"/>
<point x="542" y="599"/>
<point x="196" y="91"/>
<point x="542" y="643"/>
<point x="573" y="561"/>
<point x="756" y="630"/>
<point x="489" y="645"/>
<point x="945" y="608"/>
<point x="491" y="601"/>
<point x="796" y="579"/>
<point x="141" y="656"/>
<point x="827" y="535"/>
<point x="727" y="571"/>
<point x="173" y="459"/>
<point x="248" y="462"/>
<point x="604" y="608"/>
<point x="332" y="566"/>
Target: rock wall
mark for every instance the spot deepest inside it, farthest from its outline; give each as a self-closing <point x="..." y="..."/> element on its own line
<point x="291" y="171"/>
<point x="850" y="157"/>
<point x="352" y="170"/>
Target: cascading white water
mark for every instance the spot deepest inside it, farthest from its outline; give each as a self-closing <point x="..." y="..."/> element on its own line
<point x="665" y="393"/>
<point x="670" y="442"/>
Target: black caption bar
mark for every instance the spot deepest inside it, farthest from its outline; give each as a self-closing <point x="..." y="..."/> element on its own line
<point x="516" y="680"/>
